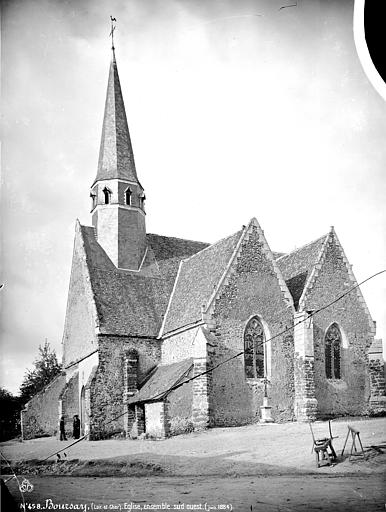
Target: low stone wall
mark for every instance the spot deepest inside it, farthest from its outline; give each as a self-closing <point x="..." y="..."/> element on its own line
<point x="41" y="414"/>
<point x="377" y="379"/>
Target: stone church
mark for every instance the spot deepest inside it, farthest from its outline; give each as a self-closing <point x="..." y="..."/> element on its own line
<point x="164" y="335"/>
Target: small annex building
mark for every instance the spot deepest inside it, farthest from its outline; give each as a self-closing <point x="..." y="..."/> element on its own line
<point x="165" y="335"/>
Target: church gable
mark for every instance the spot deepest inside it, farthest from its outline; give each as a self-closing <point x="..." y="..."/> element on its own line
<point x="251" y="258"/>
<point x="197" y="277"/>
<point x="201" y="277"/>
<point x="331" y="277"/>
<point x="251" y="289"/>
<point x="79" y="337"/>
<point x="342" y="333"/>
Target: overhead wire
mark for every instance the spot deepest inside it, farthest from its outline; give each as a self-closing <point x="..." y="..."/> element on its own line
<point x="310" y="314"/>
<point x="66" y="447"/>
<point x="281" y="333"/>
<point x="17" y="480"/>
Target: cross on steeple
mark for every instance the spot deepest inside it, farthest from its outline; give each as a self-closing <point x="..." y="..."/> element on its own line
<point x="118" y="212"/>
<point x="113" y="22"/>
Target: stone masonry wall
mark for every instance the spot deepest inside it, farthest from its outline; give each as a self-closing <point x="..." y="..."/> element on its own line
<point x="305" y="406"/>
<point x="70" y="401"/>
<point x="187" y="406"/>
<point x="79" y="331"/>
<point x="202" y="395"/>
<point x="180" y="405"/>
<point x="305" y="402"/>
<point x="108" y="387"/>
<point x="350" y="394"/>
<point x="41" y="414"/>
<point x="178" y="347"/>
<point x="252" y="290"/>
<point x="377" y="378"/>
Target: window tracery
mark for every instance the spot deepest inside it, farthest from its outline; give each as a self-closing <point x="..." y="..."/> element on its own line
<point x="254" y="340"/>
<point x="332" y="347"/>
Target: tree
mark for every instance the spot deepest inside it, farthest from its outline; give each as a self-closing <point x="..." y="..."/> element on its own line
<point x="10" y="415"/>
<point x="46" y="368"/>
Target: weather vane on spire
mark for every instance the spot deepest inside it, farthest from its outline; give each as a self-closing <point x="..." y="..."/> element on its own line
<point x="113" y="21"/>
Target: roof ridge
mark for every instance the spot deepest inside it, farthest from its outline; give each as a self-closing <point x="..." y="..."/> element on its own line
<point x="126" y="271"/>
<point x="178" y="238"/>
<point x="171" y="296"/>
<point x="210" y="246"/>
<point x="302" y="247"/>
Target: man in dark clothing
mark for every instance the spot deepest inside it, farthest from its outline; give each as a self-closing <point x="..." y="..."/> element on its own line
<point x="76" y="427"/>
<point x="62" y="430"/>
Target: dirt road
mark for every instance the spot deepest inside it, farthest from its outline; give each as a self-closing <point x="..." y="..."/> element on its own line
<point x="267" y="467"/>
<point x="245" y="494"/>
<point x="253" y="449"/>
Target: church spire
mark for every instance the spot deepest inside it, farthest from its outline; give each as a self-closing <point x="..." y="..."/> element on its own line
<point x="118" y="199"/>
<point x="116" y="157"/>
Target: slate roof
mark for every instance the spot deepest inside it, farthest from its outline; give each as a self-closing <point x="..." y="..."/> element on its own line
<point x="96" y="256"/>
<point x="161" y="380"/>
<point x="198" y="277"/>
<point x="297" y="266"/>
<point x="169" y="251"/>
<point x="116" y="157"/>
<point x="128" y="303"/>
<point x="132" y="303"/>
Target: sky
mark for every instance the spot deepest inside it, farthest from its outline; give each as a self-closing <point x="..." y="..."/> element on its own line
<point x="236" y="109"/>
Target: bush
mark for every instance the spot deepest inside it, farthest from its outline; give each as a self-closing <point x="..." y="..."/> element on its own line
<point x="10" y="415"/>
<point x="180" y="426"/>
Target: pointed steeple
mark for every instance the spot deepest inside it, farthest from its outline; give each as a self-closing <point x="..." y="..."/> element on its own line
<point x="116" y="157"/>
<point x="118" y="199"/>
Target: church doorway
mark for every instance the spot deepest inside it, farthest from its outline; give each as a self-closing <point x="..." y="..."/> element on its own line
<point x="82" y="409"/>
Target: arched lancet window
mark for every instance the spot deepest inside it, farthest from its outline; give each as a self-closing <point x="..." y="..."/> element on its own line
<point x="128" y="196"/>
<point x="332" y="345"/>
<point x="254" y="339"/>
<point x="142" y="201"/>
<point x="107" y="195"/>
